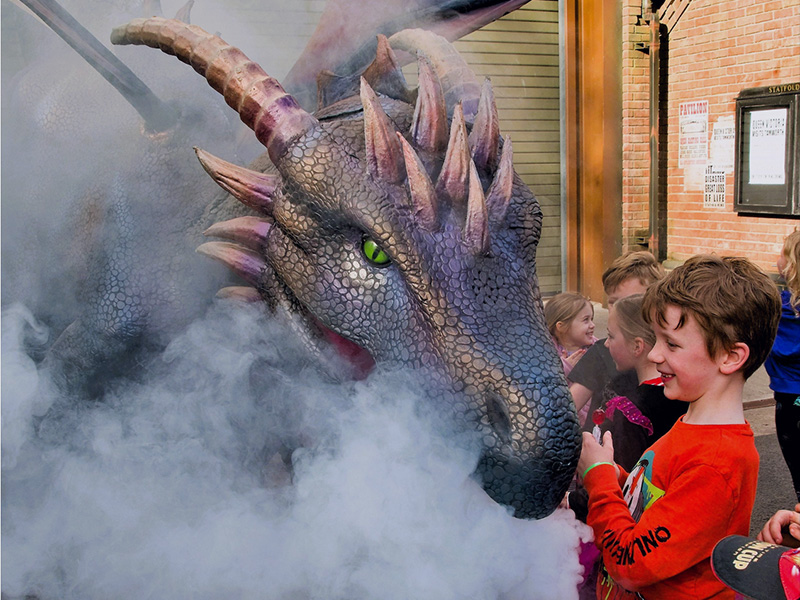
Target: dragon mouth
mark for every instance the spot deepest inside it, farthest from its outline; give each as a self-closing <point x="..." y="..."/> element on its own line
<point x="360" y="360"/>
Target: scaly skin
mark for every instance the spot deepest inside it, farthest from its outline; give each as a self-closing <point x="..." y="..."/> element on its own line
<point x="395" y="233"/>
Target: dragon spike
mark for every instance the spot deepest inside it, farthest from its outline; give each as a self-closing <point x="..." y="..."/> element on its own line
<point x="476" y="231"/>
<point x="246" y="264"/>
<point x="454" y="177"/>
<point x="429" y="127"/>
<point x="240" y="293"/>
<point x="423" y="195"/>
<point x="185" y="12"/>
<point x="384" y="74"/>
<point x="458" y="81"/>
<point x="485" y="136"/>
<point x="251" y="188"/>
<point x="250" y="232"/>
<point x="384" y="153"/>
<point x="262" y="104"/>
<point x="499" y="194"/>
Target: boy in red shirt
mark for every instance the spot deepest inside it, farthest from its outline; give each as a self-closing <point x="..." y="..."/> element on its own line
<point x="715" y="320"/>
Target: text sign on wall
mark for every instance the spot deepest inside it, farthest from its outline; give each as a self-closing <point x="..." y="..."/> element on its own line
<point x="723" y="136"/>
<point x="693" y="138"/>
<point x="714" y="188"/>
<point x="767" y="173"/>
<point x="768" y="146"/>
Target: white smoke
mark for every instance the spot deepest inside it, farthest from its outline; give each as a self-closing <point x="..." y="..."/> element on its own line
<point x="169" y="487"/>
<point x="173" y="485"/>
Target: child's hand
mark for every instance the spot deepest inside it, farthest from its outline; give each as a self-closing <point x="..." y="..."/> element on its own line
<point x="774" y="532"/>
<point x="592" y="452"/>
<point x="573" y="358"/>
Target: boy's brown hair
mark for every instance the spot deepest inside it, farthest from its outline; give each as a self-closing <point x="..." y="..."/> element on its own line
<point x="640" y="264"/>
<point x="731" y="299"/>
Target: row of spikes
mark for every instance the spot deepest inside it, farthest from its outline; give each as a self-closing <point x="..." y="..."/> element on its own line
<point x="392" y="159"/>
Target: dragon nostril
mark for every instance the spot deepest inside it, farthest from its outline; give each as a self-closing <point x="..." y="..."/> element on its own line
<point x="497" y="413"/>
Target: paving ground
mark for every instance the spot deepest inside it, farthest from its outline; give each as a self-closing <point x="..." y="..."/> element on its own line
<point x="774" y="485"/>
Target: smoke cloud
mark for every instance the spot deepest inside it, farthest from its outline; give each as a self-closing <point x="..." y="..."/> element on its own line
<point x="175" y="483"/>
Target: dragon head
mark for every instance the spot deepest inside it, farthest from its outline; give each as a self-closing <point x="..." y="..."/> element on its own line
<point x="401" y="233"/>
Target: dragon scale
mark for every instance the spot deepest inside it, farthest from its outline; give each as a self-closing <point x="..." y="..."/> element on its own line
<point x="400" y="232"/>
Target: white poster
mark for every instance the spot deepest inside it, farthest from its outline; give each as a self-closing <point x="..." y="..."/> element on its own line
<point x="693" y="140"/>
<point x="714" y="190"/>
<point x="722" y="144"/>
<point x="768" y="146"/>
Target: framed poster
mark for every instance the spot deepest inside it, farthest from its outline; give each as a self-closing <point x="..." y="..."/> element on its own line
<point x="767" y="163"/>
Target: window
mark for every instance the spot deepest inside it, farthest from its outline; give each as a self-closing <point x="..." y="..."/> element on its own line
<point x="767" y="151"/>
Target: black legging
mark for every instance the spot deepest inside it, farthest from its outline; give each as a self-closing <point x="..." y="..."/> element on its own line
<point x="787" y="426"/>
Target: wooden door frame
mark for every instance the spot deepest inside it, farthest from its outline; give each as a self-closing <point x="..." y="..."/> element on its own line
<point x="593" y="140"/>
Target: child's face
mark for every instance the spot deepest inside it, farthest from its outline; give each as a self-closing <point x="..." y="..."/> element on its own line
<point x="621" y="350"/>
<point x="580" y="331"/>
<point x="681" y="357"/>
<point x="628" y="287"/>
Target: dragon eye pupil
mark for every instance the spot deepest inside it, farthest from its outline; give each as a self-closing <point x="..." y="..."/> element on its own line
<point x="374" y="253"/>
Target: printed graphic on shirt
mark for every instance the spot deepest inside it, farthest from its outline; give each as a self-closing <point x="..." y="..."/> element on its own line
<point x="640" y="494"/>
<point x="639" y="491"/>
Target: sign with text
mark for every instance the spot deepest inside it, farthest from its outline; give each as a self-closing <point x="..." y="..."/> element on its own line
<point x="766" y="177"/>
<point x="693" y="139"/>
<point x="714" y="188"/>
<point x="723" y="148"/>
<point x="768" y="146"/>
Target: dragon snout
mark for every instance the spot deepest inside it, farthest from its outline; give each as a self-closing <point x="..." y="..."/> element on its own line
<point x="532" y="447"/>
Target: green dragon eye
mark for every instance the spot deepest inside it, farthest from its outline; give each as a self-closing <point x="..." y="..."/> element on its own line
<point x="373" y="252"/>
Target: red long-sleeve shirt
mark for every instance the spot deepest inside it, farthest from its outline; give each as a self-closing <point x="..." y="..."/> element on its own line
<point x="657" y="526"/>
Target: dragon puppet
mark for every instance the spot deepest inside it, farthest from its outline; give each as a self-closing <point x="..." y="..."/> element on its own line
<point x="391" y="225"/>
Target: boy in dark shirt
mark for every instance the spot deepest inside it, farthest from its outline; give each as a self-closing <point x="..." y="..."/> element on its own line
<point x="629" y="274"/>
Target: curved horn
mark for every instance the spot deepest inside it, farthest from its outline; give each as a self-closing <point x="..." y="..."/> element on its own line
<point x="261" y="102"/>
<point x="458" y="81"/>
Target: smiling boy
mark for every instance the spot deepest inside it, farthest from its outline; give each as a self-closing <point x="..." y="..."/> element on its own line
<point x="714" y="320"/>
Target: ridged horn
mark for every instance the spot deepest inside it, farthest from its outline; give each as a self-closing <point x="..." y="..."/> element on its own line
<point x="484" y="139"/>
<point x="429" y="127"/>
<point x="262" y="104"/>
<point x="251" y="188"/>
<point x="423" y="195"/>
<point x="499" y="194"/>
<point x="246" y="264"/>
<point x="458" y="81"/>
<point x="384" y="154"/>
<point x="476" y="231"/>
<point x="454" y="176"/>
<point x="250" y="232"/>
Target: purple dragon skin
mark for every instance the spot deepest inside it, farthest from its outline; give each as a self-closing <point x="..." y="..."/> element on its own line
<point x="400" y="231"/>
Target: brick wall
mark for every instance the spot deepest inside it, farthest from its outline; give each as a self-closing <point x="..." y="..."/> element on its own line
<point x="635" y="124"/>
<point x="716" y="49"/>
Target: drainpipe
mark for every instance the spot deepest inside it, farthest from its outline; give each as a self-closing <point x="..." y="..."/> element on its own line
<point x="655" y="243"/>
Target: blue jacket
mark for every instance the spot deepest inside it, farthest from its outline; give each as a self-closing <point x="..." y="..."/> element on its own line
<point x="783" y="362"/>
